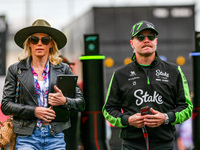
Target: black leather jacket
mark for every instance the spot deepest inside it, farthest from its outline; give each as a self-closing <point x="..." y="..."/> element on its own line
<point x="24" y="119"/>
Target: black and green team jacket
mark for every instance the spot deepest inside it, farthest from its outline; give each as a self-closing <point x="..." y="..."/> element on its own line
<point x="162" y="87"/>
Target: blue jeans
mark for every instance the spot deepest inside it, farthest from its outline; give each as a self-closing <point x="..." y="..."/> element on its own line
<point x="41" y="140"/>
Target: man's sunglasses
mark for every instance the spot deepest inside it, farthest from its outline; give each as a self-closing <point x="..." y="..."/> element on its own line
<point x="34" y="40"/>
<point x="141" y="37"/>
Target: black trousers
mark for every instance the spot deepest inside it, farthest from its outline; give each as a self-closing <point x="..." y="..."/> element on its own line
<point x="128" y="145"/>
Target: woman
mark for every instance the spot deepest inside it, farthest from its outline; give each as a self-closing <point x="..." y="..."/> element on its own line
<point x="37" y="69"/>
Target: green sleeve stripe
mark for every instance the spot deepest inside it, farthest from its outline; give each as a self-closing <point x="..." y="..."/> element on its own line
<point x="114" y="121"/>
<point x="186" y="113"/>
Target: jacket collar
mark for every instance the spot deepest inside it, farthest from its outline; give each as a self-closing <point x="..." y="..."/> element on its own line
<point x="155" y="62"/>
<point x="26" y="77"/>
<point x="25" y="63"/>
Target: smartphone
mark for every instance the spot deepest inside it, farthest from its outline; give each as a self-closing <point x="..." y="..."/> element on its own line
<point x="144" y="110"/>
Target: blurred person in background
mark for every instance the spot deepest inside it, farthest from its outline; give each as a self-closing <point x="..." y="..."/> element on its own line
<point x="71" y="134"/>
<point x="185" y="140"/>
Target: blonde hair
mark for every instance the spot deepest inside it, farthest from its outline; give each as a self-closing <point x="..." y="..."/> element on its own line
<point x="53" y="53"/>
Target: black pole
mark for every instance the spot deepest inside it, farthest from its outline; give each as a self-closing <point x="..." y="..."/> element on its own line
<point x="93" y="123"/>
<point x="196" y="98"/>
<point x="3" y="36"/>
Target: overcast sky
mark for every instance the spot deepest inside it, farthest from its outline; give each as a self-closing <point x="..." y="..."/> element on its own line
<point x="21" y="13"/>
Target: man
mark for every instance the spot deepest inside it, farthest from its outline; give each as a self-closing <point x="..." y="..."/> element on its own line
<point x="147" y="82"/>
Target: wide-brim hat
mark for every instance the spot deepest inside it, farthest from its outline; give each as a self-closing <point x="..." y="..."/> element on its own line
<point x="142" y="25"/>
<point x="40" y="26"/>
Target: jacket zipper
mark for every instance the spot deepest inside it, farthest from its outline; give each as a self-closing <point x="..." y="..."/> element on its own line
<point x="146" y="73"/>
<point x="148" y="82"/>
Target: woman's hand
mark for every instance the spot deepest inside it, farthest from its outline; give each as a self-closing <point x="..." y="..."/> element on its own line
<point x="46" y="114"/>
<point x="56" y="99"/>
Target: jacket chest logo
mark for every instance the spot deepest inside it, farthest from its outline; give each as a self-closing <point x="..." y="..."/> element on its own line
<point x="133" y="77"/>
<point x="132" y="73"/>
<point x="144" y="97"/>
<point x="162" y="76"/>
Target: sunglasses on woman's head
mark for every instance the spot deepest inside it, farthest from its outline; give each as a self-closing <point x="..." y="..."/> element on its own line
<point x="150" y="36"/>
<point x="34" y="40"/>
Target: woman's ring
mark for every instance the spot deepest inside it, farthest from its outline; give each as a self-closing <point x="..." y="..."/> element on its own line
<point x="47" y="118"/>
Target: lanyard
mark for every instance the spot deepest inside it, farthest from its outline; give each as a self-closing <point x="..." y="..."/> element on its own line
<point x="146" y="137"/>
